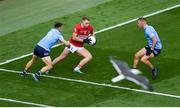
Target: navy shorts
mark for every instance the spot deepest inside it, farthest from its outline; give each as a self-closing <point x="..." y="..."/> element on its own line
<point x="40" y="52"/>
<point x="156" y="52"/>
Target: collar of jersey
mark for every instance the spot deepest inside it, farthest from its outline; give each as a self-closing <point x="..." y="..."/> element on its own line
<point x="145" y="27"/>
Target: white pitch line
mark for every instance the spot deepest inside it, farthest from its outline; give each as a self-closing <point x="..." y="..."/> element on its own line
<point x="100" y="84"/>
<point x="102" y="30"/>
<point x="23" y="102"/>
<point x="135" y="19"/>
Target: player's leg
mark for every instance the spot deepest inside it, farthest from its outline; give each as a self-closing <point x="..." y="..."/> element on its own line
<point x="48" y="62"/>
<point x="137" y="57"/>
<point x="48" y="65"/>
<point x="146" y="60"/>
<point x="87" y="57"/>
<point x="29" y="64"/>
<point x="62" y="56"/>
<point x="58" y="59"/>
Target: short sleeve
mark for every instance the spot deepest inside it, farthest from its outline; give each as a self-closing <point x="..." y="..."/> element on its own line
<point x="149" y="32"/>
<point x="76" y="30"/>
<point x="60" y="37"/>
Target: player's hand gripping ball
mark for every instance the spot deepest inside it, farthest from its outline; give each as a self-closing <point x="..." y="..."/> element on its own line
<point x="92" y="40"/>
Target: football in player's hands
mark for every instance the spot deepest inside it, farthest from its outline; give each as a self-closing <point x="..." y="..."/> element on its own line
<point x="93" y="40"/>
<point x="87" y="40"/>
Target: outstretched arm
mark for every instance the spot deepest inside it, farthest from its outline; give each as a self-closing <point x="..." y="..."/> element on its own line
<point x="64" y="42"/>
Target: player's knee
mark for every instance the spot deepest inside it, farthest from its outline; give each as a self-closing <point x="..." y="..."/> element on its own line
<point x="89" y="57"/>
<point x="143" y="60"/>
<point x="50" y="66"/>
<point x="136" y="56"/>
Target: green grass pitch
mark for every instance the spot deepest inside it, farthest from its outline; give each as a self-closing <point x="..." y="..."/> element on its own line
<point x="122" y="42"/>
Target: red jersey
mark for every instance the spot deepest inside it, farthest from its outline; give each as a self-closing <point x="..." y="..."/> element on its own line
<point x="82" y="33"/>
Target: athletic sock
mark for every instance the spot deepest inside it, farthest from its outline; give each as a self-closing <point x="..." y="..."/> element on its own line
<point x="39" y="73"/>
<point x="153" y="68"/>
<point x="25" y="71"/>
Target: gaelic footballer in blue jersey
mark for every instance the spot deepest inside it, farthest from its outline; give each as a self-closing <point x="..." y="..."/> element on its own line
<point x="43" y="49"/>
<point x="153" y="48"/>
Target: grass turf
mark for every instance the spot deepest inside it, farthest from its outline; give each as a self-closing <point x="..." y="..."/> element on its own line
<point x="110" y="13"/>
<point x="118" y="42"/>
<point x="20" y="14"/>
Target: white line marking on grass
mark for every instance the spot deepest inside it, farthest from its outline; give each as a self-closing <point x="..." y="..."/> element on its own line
<point x="102" y="30"/>
<point x="135" y="19"/>
<point x="100" y="84"/>
<point x="23" y="102"/>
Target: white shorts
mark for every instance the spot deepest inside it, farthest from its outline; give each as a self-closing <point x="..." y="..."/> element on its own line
<point x="73" y="48"/>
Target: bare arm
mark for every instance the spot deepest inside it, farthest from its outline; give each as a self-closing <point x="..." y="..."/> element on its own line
<point x="75" y="38"/>
<point x="92" y="33"/>
<point x="64" y="42"/>
<point x="154" y="42"/>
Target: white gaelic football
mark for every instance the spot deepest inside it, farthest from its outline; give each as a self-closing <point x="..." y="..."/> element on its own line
<point x="93" y="40"/>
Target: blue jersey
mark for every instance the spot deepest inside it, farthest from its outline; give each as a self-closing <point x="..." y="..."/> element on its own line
<point x="51" y="38"/>
<point x="150" y="32"/>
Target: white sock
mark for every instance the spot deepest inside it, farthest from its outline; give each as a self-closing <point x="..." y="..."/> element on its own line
<point x="76" y="68"/>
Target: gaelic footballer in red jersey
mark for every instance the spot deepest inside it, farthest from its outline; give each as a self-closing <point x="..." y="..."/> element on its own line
<point x="80" y="36"/>
<point x="81" y="33"/>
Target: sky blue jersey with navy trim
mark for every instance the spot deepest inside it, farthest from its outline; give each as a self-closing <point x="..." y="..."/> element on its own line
<point x="150" y="32"/>
<point x="51" y="38"/>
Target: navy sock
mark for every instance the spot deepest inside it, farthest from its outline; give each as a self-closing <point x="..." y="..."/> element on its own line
<point x="39" y="73"/>
<point x="153" y="69"/>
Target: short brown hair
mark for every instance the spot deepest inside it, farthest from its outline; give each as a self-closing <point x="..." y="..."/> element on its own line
<point x="85" y="18"/>
<point x="141" y="19"/>
<point x="58" y="24"/>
